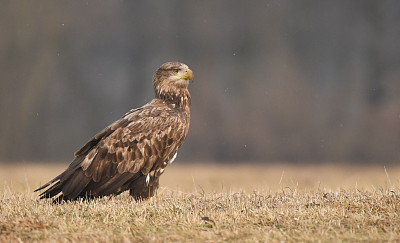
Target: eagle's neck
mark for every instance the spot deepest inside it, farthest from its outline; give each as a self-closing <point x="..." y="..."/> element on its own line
<point x="178" y="97"/>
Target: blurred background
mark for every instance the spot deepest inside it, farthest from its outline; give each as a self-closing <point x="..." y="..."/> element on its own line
<point x="296" y="81"/>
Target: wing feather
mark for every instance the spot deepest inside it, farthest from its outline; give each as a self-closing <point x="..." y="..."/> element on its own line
<point x="75" y="184"/>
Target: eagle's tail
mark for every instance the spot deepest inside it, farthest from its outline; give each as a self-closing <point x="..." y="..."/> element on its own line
<point x="55" y="186"/>
<point x="53" y="190"/>
<point x="48" y="183"/>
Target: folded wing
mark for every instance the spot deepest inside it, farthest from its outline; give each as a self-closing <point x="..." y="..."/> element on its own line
<point x="122" y="152"/>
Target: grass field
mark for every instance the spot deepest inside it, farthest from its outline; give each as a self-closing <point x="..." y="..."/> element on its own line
<point x="213" y="203"/>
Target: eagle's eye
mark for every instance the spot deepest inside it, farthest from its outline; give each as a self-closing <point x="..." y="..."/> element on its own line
<point x="176" y="71"/>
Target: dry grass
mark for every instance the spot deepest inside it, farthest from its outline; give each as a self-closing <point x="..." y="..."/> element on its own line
<point x="213" y="203"/>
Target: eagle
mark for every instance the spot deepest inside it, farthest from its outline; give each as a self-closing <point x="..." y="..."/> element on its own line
<point x="133" y="152"/>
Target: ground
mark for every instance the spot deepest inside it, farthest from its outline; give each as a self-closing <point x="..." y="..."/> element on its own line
<point x="213" y="203"/>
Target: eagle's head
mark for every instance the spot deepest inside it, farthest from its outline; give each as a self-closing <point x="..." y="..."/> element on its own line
<point x="171" y="80"/>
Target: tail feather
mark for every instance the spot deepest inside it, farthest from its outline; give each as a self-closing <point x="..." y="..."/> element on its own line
<point x="52" y="191"/>
<point x="49" y="183"/>
<point x="57" y="184"/>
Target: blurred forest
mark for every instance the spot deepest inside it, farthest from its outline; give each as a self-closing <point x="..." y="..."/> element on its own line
<point x="282" y="80"/>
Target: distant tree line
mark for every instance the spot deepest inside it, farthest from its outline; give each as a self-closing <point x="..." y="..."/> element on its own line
<point x="274" y="80"/>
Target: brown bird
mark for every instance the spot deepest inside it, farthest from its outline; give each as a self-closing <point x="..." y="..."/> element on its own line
<point x="132" y="152"/>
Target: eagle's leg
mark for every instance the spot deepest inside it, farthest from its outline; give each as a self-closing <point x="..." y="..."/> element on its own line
<point x="144" y="187"/>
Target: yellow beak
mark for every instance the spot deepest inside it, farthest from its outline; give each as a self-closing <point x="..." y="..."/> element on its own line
<point x="186" y="74"/>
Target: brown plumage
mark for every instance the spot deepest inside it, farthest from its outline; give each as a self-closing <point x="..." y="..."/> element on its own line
<point x="131" y="153"/>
